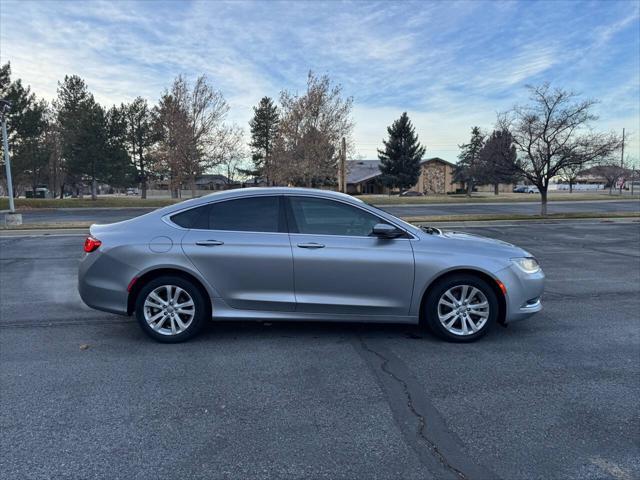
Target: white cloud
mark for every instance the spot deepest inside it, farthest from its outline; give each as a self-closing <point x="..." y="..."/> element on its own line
<point x="452" y="65"/>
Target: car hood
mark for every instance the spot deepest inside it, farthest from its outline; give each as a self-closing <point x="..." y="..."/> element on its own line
<point x="471" y="243"/>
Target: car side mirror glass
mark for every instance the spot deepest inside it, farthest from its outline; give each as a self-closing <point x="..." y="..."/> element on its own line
<point x="384" y="230"/>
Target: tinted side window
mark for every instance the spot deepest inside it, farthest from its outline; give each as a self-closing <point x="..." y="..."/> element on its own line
<point x="192" y="218"/>
<point x="326" y="217"/>
<point x="257" y="214"/>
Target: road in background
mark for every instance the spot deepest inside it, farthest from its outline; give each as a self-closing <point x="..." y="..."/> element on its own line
<point x="551" y="397"/>
<point x="109" y="215"/>
<point x="519" y="208"/>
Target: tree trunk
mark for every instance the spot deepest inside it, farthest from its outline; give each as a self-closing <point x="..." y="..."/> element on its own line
<point x="143" y="179"/>
<point x="469" y="188"/>
<point x="543" y="201"/>
<point x="570" y="186"/>
<point x="94" y="189"/>
<point x="193" y="186"/>
<point x="496" y="189"/>
<point x="61" y="190"/>
<point x="143" y="194"/>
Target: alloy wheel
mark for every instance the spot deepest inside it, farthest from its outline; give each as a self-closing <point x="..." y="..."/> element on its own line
<point x="169" y="310"/>
<point x="463" y="310"/>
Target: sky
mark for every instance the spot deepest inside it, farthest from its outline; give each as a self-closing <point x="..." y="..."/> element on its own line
<point x="450" y="64"/>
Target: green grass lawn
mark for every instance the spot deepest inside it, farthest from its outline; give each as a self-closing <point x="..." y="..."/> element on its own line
<point x="100" y="202"/>
<point x="123" y="202"/>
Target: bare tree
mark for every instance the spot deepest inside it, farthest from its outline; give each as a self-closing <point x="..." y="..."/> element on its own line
<point x="571" y="172"/>
<point x="310" y="131"/>
<point x="552" y="133"/>
<point x="229" y="153"/>
<point x="611" y="170"/>
<point x="187" y="122"/>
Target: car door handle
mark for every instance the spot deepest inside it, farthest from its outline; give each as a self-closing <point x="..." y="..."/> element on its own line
<point x="311" y="245"/>
<point x="209" y="243"/>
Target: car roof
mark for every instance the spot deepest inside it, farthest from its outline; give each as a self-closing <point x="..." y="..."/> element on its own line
<point x="259" y="191"/>
<point x="252" y="191"/>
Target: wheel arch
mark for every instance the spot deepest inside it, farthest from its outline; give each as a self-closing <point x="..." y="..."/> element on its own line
<point x="146" y="277"/>
<point x="491" y="281"/>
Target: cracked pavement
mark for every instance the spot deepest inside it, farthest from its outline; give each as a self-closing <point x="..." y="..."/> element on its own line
<point x="551" y="397"/>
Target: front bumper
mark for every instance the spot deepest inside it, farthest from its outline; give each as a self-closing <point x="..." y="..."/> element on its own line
<point x="524" y="292"/>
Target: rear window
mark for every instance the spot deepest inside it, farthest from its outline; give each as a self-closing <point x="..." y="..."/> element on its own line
<point x="193" y="218"/>
<point x="258" y="214"/>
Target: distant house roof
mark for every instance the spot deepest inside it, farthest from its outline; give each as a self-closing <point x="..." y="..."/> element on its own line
<point x="211" y="178"/>
<point x="362" y="170"/>
<point x="438" y="159"/>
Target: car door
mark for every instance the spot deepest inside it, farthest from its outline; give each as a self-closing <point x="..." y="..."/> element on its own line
<point x="242" y="248"/>
<point x="339" y="267"/>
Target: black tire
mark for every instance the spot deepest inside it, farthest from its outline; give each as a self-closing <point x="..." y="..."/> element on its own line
<point x="202" y="307"/>
<point x="430" y="314"/>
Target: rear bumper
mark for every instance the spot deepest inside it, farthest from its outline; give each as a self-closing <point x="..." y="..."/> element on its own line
<point x="102" y="283"/>
<point x="105" y="299"/>
<point x="524" y="292"/>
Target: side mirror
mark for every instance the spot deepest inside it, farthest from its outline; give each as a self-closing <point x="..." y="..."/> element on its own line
<point x="384" y="230"/>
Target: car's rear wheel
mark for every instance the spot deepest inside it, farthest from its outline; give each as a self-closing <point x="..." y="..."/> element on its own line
<point x="171" y="309"/>
<point x="461" y="308"/>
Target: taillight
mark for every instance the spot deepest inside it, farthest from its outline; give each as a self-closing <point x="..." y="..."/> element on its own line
<point x="91" y="244"/>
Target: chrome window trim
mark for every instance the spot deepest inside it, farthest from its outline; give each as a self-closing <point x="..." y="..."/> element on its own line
<point x="167" y="218"/>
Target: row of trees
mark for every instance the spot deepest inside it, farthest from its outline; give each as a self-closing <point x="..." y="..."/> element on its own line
<point x="549" y="137"/>
<point x="74" y="141"/>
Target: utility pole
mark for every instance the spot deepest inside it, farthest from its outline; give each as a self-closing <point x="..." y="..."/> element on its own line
<point x="622" y="163"/>
<point x="11" y="218"/>
<point x="343" y="166"/>
<point x="340" y="169"/>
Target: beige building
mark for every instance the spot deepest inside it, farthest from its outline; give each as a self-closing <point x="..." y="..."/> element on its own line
<point x="436" y="177"/>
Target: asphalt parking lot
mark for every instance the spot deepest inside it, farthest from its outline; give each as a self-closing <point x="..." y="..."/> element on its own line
<point x="552" y="397"/>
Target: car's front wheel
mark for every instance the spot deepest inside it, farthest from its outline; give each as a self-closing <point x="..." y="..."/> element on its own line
<point x="171" y="309"/>
<point x="461" y="308"/>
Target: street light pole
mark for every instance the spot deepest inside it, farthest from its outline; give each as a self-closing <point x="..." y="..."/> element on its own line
<point x="11" y="218"/>
<point x="7" y="161"/>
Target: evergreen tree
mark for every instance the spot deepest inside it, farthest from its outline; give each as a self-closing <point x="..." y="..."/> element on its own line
<point x="400" y="159"/>
<point x="264" y="128"/>
<point x="74" y="107"/>
<point x="497" y="160"/>
<point x="468" y="167"/>
<point x="118" y="169"/>
<point x="26" y="126"/>
<point x="92" y="140"/>
<point x="140" y="138"/>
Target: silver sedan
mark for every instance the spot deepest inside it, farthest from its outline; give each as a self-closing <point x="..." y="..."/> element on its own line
<point x="302" y="254"/>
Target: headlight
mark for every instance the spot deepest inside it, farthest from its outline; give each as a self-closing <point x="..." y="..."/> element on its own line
<point x="527" y="264"/>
